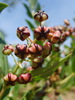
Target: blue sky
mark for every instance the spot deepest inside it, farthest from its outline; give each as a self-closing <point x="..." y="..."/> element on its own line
<point x="58" y="10"/>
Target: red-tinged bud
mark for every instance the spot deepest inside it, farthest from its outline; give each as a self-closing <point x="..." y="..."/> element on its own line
<point x="35" y="49"/>
<point x="23" y="33"/>
<point x="37" y="62"/>
<point x="70" y="29"/>
<point x="10" y="79"/>
<point x="66" y="22"/>
<point x="8" y="49"/>
<point x="74" y="29"/>
<point x="56" y="37"/>
<point x="21" y="51"/>
<point x="67" y="33"/>
<point x="29" y="68"/>
<point x="40" y="16"/>
<point x="41" y="32"/>
<point x="47" y="49"/>
<point x="24" y="78"/>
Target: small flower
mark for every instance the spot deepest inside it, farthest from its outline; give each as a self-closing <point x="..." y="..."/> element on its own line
<point x="10" y="79"/>
<point x="66" y="22"/>
<point x="23" y="32"/>
<point x="37" y="62"/>
<point x="35" y="50"/>
<point x="24" y="78"/>
<point x="46" y="49"/>
<point x="21" y="51"/>
<point x="41" y="32"/>
<point x="56" y="37"/>
<point x="8" y="49"/>
<point x="40" y="16"/>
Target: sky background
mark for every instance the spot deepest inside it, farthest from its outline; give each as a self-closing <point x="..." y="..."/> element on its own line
<point x="58" y="10"/>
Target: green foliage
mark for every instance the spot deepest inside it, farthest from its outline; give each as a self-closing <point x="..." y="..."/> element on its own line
<point x="3" y="59"/>
<point x="2" y="6"/>
<point x="30" y="24"/>
<point x="28" y="10"/>
<point x="45" y="72"/>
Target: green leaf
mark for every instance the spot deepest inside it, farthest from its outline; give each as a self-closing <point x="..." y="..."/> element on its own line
<point x="45" y="72"/>
<point x="3" y="59"/>
<point x="3" y="6"/>
<point x="38" y="7"/>
<point x="30" y="24"/>
<point x="5" y="94"/>
<point x="28" y="10"/>
<point x="73" y="61"/>
<point x="32" y="3"/>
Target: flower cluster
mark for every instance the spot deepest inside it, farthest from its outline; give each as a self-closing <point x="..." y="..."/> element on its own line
<point x="34" y="51"/>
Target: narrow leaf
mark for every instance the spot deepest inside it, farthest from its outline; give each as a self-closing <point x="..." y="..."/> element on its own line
<point x="3" y="58"/>
<point x="30" y="24"/>
<point x="28" y="10"/>
<point x="3" y="6"/>
<point x="45" y="72"/>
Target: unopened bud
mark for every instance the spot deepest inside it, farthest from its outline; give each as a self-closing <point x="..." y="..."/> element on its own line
<point x="41" y="32"/>
<point x="10" y="79"/>
<point x="46" y="49"/>
<point x="24" y="78"/>
<point x="56" y="37"/>
<point x="21" y="51"/>
<point x="23" y="33"/>
<point x="66" y="22"/>
<point x="37" y="62"/>
<point x="35" y="49"/>
<point x="8" y="49"/>
<point x="40" y="16"/>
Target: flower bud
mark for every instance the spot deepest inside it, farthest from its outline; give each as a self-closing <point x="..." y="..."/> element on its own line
<point x="46" y="49"/>
<point x="8" y="49"/>
<point x="29" y="68"/>
<point x="10" y="79"/>
<point x="70" y="29"/>
<point x="41" y="32"/>
<point x="67" y="23"/>
<point x="35" y="50"/>
<point x="40" y="16"/>
<point x="37" y="62"/>
<point x="23" y="33"/>
<point x="56" y="37"/>
<point x="24" y="78"/>
<point x="21" y="51"/>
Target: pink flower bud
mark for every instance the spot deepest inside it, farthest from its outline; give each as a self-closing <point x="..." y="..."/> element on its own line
<point x="46" y="49"/>
<point x="70" y="29"/>
<point x="51" y="33"/>
<point x="37" y="62"/>
<point x="56" y="37"/>
<point x="40" y="16"/>
<point x="66" y="22"/>
<point x="35" y="49"/>
<point x="24" y="78"/>
<point x="29" y="68"/>
<point x="41" y="32"/>
<point x="23" y="33"/>
<point x="21" y="51"/>
<point x="8" y="49"/>
<point x="10" y="79"/>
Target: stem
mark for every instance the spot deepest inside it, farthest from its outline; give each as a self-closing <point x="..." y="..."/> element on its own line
<point x="40" y="23"/>
<point x="3" y="90"/>
<point x="14" y="58"/>
<point x="30" y="40"/>
<point x="66" y="79"/>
